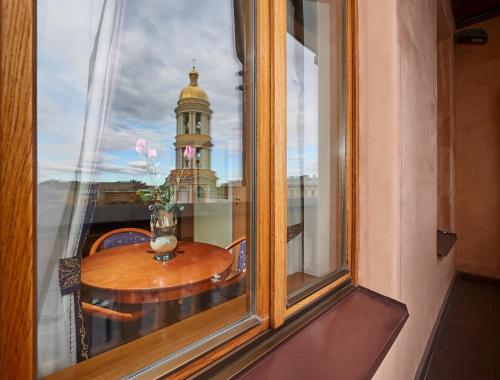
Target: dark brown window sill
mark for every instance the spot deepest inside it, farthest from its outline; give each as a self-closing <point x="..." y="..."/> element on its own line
<point x="343" y="336"/>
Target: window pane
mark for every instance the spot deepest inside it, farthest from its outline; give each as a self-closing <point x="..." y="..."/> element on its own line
<point x="315" y="142"/>
<point x="145" y="185"/>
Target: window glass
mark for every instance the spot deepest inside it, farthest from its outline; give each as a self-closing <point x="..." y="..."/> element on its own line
<point x="140" y="155"/>
<point x="315" y="144"/>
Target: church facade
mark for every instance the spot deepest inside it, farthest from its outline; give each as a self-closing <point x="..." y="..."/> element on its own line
<point x="193" y="180"/>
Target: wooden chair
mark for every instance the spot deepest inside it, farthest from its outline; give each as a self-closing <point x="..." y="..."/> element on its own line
<point x="293" y="231"/>
<point x="232" y="285"/>
<point x="116" y="238"/>
<point x="238" y="267"/>
<point x="113" y="315"/>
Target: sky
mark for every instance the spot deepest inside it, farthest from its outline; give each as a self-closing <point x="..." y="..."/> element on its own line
<point x="157" y="43"/>
<point x="155" y="51"/>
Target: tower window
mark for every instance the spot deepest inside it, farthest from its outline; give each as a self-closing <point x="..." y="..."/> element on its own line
<point x="198" y="123"/>
<point x="186" y="123"/>
<point x="198" y="156"/>
<point x="182" y="194"/>
<point x="200" y="192"/>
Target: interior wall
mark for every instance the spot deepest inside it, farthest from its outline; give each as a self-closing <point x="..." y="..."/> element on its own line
<point x="399" y="169"/>
<point x="478" y="154"/>
<point x="379" y="147"/>
<point x="445" y="123"/>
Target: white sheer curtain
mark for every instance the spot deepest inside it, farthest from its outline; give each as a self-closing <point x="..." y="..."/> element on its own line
<point x="60" y="237"/>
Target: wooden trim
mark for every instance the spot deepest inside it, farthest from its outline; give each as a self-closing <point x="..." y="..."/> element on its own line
<point x="352" y="119"/>
<point x="17" y="190"/>
<point x="263" y="155"/>
<point x="313" y="286"/>
<point x="320" y="293"/>
<point x="278" y="172"/>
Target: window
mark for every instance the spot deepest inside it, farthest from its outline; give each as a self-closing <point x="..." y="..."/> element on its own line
<point x="316" y="146"/>
<point x="122" y="174"/>
<point x="200" y="192"/>
<point x="198" y="157"/>
<point x="185" y="118"/>
<point x="122" y="251"/>
<point x="183" y="195"/>
<point x="312" y="226"/>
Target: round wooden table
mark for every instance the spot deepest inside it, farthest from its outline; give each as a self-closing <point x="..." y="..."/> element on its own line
<point x="129" y="274"/>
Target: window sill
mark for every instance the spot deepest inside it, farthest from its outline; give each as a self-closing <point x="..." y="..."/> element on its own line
<point x="445" y="242"/>
<point x="358" y="325"/>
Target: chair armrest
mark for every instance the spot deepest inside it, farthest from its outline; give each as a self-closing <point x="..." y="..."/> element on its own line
<point x="102" y="312"/>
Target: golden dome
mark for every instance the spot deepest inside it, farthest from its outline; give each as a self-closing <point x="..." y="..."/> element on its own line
<point x="192" y="90"/>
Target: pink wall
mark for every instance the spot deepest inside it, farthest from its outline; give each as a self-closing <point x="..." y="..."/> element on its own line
<point x="446" y="124"/>
<point x="379" y="146"/>
<point x="398" y="169"/>
<point x="478" y="154"/>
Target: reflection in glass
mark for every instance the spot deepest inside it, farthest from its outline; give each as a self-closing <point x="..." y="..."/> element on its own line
<point x="315" y="142"/>
<point x="140" y="128"/>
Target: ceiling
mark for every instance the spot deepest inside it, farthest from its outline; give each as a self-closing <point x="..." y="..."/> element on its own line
<point x="468" y="12"/>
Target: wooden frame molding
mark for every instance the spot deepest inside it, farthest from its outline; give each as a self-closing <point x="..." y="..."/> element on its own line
<point x="278" y="163"/>
<point x="353" y="119"/>
<point x="279" y="310"/>
<point x="17" y="190"/>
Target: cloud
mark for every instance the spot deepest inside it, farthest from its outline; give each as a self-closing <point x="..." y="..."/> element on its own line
<point x="154" y="63"/>
<point x="157" y="44"/>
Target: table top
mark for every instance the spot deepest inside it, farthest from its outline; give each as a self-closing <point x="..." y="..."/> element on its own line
<point x="132" y="275"/>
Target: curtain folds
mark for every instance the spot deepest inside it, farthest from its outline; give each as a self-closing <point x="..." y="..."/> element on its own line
<point x="61" y="334"/>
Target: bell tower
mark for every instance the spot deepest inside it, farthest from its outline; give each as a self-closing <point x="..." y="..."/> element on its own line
<point x="197" y="182"/>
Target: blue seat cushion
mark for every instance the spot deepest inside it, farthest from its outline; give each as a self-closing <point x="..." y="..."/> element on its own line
<point x="124" y="238"/>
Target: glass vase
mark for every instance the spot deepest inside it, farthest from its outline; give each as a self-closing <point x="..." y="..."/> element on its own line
<point x="163" y="239"/>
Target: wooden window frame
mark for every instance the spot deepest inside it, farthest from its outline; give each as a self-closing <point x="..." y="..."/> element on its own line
<point x="18" y="197"/>
<point x="279" y="310"/>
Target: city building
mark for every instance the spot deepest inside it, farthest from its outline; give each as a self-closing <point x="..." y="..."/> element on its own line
<point x="193" y="179"/>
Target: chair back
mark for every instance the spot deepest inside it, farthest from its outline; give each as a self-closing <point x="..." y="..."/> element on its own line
<point x="119" y="237"/>
<point x="239" y="261"/>
<point x="293" y="231"/>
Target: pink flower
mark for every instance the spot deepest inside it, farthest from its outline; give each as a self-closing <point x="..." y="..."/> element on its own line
<point x="141" y="146"/>
<point x="152" y="153"/>
<point x="189" y="152"/>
